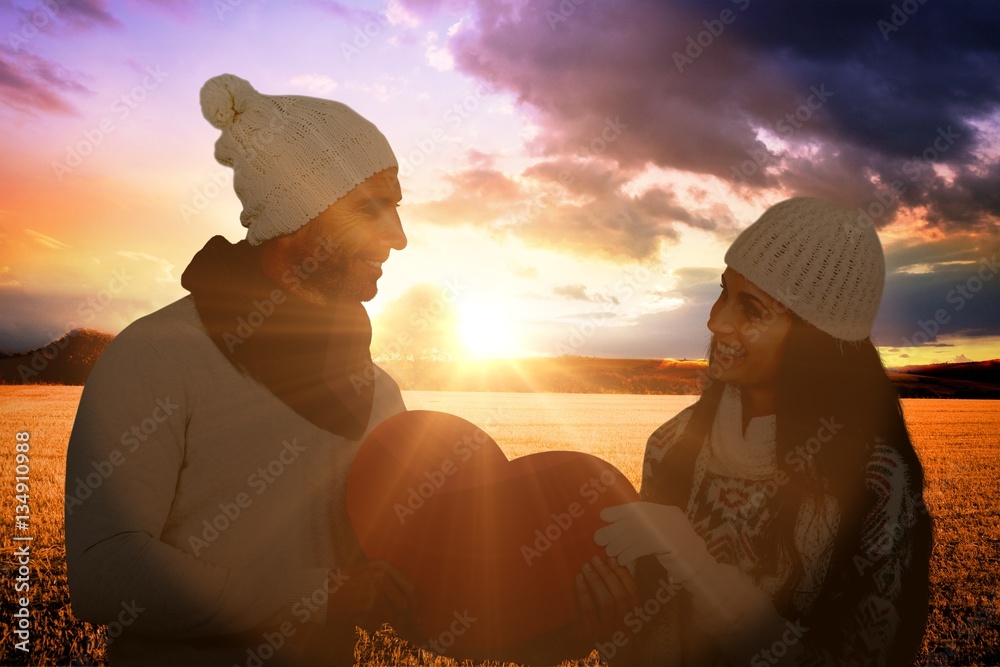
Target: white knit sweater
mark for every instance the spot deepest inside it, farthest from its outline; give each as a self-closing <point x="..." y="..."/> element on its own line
<point x="202" y="512"/>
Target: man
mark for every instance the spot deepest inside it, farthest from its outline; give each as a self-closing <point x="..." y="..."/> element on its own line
<point x="222" y="426"/>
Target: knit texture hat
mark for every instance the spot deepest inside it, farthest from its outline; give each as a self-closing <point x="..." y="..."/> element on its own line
<point x="819" y="260"/>
<point x="292" y="156"/>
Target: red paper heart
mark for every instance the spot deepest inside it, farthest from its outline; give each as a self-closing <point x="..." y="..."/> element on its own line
<point x="479" y="536"/>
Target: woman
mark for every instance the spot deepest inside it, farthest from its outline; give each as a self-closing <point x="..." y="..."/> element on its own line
<point x="781" y="518"/>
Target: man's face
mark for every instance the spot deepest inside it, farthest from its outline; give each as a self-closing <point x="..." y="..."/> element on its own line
<point x="338" y="255"/>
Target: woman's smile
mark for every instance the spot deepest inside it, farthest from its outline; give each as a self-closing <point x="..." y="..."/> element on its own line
<point x="729" y="352"/>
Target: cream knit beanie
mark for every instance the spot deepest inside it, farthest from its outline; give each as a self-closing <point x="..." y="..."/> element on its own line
<point x="819" y="260"/>
<point x="292" y="156"/>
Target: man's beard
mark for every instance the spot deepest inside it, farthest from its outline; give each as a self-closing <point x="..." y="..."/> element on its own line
<point x="337" y="280"/>
<point x="336" y="285"/>
<point x="336" y="277"/>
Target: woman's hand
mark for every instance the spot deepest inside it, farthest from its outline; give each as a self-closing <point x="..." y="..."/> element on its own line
<point x="605" y="593"/>
<point x="641" y="529"/>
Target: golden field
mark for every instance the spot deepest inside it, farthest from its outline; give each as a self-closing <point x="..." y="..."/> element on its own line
<point x="956" y="439"/>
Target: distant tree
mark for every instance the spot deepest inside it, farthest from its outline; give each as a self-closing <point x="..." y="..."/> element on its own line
<point x="420" y="325"/>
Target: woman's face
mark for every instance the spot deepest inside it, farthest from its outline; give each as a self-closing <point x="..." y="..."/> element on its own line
<point x="749" y="330"/>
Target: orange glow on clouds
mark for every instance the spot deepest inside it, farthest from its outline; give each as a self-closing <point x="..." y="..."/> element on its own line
<point x="108" y="181"/>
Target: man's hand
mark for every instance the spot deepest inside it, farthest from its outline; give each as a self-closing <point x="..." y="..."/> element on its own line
<point x="368" y="595"/>
<point x="605" y="593"/>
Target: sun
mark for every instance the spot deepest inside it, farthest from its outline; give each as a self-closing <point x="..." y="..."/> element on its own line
<point x="486" y="330"/>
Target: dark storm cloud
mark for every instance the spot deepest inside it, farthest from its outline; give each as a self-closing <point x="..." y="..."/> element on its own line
<point x="838" y="99"/>
<point x="946" y="250"/>
<point x="952" y="301"/>
<point x="854" y="99"/>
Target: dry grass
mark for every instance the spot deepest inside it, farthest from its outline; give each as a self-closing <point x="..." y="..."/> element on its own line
<point x="957" y="441"/>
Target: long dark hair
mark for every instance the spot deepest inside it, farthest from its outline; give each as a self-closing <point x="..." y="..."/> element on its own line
<point x="823" y="380"/>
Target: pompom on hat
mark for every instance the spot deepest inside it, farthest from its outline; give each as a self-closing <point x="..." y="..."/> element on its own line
<point x="292" y="156"/>
<point x="817" y="259"/>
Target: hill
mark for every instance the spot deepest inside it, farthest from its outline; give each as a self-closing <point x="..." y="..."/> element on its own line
<point x="656" y="376"/>
<point x="569" y="374"/>
<point x="69" y="359"/>
<point x="976" y="379"/>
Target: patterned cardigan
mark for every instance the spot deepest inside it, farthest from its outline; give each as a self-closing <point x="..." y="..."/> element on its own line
<point x="732" y="515"/>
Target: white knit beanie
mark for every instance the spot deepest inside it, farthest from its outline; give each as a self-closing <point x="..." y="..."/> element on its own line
<point x="819" y="260"/>
<point x="292" y="156"/>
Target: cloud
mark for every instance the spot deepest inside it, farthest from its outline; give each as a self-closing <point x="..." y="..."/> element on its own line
<point x="31" y="84"/>
<point x="678" y="331"/>
<point x="696" y="276"/>
<point x="45" y="240"/>
<point x="438" y="57"/>
<point x="577" y="292"/>
<point x="338" y="9"/>
<point x="954" y="249"/>
<point x="48" y="288"/>
<point x="830" y="103"/>
<point x="583" y="207"/>
<point x="82" y="14"/>
<point x="317" y="84"/>
<point x="522" y="270"/>
<point x="397" y="14"/>
<point x="382" y="89"/>
<point x="428" y="8"/>
<point x="595" y="315"/>
<point x="182" y="9"/>
<point x="88" y="13"/>
<point x="394" y="14"/>
<point x="479" y="197"/>
<point x="6" y="281"/>
<point x="953" y="300"/>
<point x="35" y="317"/>
<point x="157" y="268"/>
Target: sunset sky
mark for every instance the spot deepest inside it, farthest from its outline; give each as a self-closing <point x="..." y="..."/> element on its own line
<point x="572" y="171"/>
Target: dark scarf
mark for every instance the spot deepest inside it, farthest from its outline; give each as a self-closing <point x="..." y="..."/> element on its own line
<point x="313" y="358"/>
